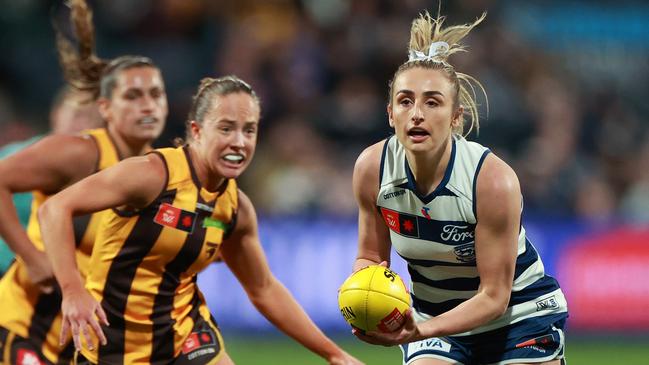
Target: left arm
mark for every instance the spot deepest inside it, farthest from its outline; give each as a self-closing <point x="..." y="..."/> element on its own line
<point x="243" y="254"/>
<point x="496" y="235"/>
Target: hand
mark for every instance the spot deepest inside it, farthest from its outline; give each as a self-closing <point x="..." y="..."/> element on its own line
<point x="79" y="309"/>
<point x="40" y="271"/>
<point x="365" y="264"/>
<point x="408" y="332"/>
<point x="344" y="358"/>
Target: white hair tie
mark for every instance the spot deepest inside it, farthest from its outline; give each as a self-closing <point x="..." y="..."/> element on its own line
<point x="436" y="49"/>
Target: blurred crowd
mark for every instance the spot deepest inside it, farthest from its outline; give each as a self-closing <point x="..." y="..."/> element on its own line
<point x="567" y="85"/>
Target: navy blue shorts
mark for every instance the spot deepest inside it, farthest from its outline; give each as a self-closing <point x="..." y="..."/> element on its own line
<point x="536" y="339"/>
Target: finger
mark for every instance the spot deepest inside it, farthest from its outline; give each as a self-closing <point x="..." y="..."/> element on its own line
<point x="384" y="264"/>
<point x="364" y="337"/>
<point x="382" y="338"/>
<point x="410" y="323"/>
<point x="102" y="316"/>
<point x="86" y="334"/>
<point x="63" y="336"/>
<point x="370" y="340"/>
<point x="97" y="328"/>
<point x="75" y="336"/>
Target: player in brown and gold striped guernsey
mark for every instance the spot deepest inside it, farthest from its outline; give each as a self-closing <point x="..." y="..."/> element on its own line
<point x="174" y="209"/>
<point x="132" y="101"/>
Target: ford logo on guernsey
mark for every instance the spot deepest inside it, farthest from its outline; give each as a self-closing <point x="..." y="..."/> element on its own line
<point x="456" y="233"/>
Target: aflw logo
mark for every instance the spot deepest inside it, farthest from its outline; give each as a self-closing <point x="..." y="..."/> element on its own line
<point x="547" y="303"/>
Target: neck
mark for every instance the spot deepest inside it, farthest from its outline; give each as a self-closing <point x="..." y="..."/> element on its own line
<point x="128" y="148"/>
<point x="208" y="180"/>
<point x="428" y="168"/>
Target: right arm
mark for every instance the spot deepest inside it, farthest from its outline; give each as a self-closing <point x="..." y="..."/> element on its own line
<point x="243" y="254"/>
<point x="46" y="167"/>
<point x="135" y="182"/>
<point x="373" y="234"/>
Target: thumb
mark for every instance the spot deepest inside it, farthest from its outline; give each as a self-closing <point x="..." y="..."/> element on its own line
<point x="410" y="320"/>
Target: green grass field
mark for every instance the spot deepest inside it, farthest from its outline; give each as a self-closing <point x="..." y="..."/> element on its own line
<point x="276" y="350"/>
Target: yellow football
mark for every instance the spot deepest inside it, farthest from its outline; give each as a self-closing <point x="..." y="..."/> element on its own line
<point x="374" y="299"/>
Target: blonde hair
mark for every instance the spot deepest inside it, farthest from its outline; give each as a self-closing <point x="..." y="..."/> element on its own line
<point x="427" y="31"/>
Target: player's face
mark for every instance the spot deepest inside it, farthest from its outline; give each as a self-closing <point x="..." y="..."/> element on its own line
<point x="422" y="111"/>
<point x="138" y="107"/>
<point x="228" y="136"/>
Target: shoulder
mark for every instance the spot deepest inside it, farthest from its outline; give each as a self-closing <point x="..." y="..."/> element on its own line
<point x="365" y="181"/>
<point x="78" y="146"/>
<point x="245" y="208"/>
<point x="141" y="179"/>
<point x="149" y="166"/>
<point x="246" y="217"/>
<point x="498" y="188"/>
<point x="368" y="163"/>
<point x="496" y="176"/>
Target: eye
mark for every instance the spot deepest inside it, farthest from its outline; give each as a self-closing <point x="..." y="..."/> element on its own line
<point x="405" y="101"/>
<point x="156" y="93"/>
<point x="131" y="95"/>
<point x="432" y="102"/>
<point x="251" y="130"/>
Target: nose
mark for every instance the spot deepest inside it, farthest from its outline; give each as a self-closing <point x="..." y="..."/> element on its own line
<point x="238" y="140"/>
<point x="148" y="104"/>
<point x="417" y="113"/>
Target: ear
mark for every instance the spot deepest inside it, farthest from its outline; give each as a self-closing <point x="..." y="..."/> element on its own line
<point x="390" y="118"/>
<point x="195" y="129"/>
<point x="104" y="108"/>
<point x="457" y="117"/>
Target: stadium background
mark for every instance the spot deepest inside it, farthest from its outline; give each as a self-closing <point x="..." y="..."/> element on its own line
<point x="568" y="84"/>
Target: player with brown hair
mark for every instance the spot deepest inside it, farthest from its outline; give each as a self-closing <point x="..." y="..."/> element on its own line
<point x="130" y="95"/>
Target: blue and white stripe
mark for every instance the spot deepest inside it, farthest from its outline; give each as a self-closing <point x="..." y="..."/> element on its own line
<point x="435" y="234"/>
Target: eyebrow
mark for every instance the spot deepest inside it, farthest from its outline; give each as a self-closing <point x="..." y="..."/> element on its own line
<point x="232" y="122"/>
<point x="138" y="88"/>
<point x="426" y="93"/>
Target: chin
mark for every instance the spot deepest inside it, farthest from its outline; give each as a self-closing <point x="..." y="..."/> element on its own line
<point x="418" y="147"/>
<point x="148" y="136"/>
<point x="230" y="173"/>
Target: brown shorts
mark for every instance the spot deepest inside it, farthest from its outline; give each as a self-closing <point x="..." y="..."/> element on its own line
<point x="16" y="350"/>
<point x="204" y="345"/>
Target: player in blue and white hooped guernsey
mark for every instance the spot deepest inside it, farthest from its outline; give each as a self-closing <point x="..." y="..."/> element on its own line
<point x="452" y="210"/>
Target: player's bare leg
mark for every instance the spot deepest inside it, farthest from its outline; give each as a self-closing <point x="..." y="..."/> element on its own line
<point x="429" y="361"/>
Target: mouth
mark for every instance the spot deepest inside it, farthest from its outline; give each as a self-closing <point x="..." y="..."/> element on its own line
<point x="418" y="132"/>
<point x="234" y="158"/>
<point x="148" y="120"/>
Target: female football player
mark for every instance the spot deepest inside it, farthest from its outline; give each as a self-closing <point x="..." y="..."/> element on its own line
<point x="452" y="210"/>
<point x="172" y="212"/>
